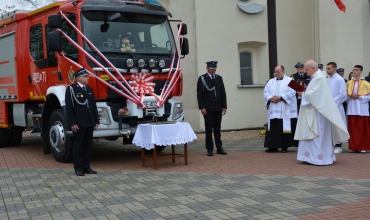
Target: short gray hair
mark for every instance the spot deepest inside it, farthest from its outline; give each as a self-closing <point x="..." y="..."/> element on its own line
<point x="312" y="64"/>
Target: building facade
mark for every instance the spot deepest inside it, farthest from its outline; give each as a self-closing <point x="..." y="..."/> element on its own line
<point x="235" y="33"/>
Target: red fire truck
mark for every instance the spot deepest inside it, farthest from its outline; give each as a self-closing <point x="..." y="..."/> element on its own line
<point x="127" y="47"/>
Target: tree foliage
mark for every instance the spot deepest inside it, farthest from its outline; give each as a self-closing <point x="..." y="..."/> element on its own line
<point x="26" y="4"/>
<point x="6" y="9"/>
<point x="33" y="3"/>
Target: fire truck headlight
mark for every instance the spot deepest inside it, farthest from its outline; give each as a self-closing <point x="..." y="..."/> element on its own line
<point x="162" y="63"/>
<point x="103" y="116"/>
<point x="151" y="63"/>
<point x="141" y="63"/>
<point x="130" y="63"/>
<point x="178" y="110"/>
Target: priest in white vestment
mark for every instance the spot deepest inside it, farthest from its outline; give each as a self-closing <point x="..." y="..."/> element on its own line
<point x="320" y="125"/>
<point x="339" y="91"/>
<point x="281" y="104"/>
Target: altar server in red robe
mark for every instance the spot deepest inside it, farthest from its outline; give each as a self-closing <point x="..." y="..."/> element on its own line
<point x="358" y="120"/>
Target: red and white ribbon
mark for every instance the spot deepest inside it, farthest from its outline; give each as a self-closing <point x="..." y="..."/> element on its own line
<point x="143" y="85"/>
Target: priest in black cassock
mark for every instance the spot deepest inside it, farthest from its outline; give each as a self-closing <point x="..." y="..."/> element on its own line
<point x="211" y="96"/>
<point x="281" y="104"/>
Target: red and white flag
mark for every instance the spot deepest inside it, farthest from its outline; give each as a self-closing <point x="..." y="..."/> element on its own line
<point x="340" y="5"/>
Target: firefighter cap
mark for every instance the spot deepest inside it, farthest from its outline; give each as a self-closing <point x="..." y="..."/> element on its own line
<point x="212" y="64"/>
<point x="81" y="72"/>
<point x="299" y="65"/>
<point x="340" y="70"/>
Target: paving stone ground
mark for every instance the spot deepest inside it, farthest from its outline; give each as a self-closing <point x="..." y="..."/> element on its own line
<point x="245" y="184"/>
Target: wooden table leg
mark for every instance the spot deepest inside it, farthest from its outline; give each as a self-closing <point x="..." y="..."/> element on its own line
<point x="155" y="157"/>
<point x="173" y="153"/>
<point x="186" y="153"/>
<point x="142" y="157"/>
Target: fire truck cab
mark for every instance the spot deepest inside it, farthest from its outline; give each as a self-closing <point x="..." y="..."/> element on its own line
<point x="127" y="47"/>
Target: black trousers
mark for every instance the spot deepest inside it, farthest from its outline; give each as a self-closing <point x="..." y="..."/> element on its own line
<point x="82" y="148"/>
<point x="298" y="103"/>
<point x="212" y="122"/>
<point x="345" y="108"/>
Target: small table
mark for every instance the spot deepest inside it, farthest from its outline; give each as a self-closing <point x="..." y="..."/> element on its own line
<point x="147" y="136"/>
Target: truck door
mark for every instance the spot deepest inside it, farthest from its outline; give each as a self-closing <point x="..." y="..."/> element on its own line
<point x="37" y="65"/>
<point x="45" y="68"/>
<point x="65" y="71"/>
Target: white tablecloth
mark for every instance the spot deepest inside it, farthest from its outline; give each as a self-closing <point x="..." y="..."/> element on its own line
<point x="165" y="134"/>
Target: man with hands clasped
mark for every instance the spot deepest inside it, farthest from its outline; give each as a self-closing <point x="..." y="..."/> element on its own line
<point x="281" y="104"/>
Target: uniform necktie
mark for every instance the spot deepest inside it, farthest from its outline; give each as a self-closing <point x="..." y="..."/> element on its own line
<point x="84" y="88"/>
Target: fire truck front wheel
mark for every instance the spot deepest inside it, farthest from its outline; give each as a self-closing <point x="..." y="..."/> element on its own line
<point x="16" y="135"/>
<point x="60" y="143"/>
<point x="158" y="148"/>
<point x="4" y="137"/>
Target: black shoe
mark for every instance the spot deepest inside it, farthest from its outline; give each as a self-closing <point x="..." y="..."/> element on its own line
<point x="270" y="150"/>
<point x="79" y="173"/>
<point x="210" y="153"/>
<point x="221" y="151"/>
<point x="284" y="150"/>
<point x="90" y="171"/>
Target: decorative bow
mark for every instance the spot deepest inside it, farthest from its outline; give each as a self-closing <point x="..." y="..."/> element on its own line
<point x="142" y="84"/>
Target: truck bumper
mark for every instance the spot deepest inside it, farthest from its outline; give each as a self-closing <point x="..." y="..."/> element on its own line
<point x="112" y="128"/>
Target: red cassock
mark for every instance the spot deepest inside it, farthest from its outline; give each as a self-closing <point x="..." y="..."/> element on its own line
<point x="357" y="127"/>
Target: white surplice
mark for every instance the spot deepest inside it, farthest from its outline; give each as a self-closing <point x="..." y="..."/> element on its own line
<point x="281" y="110"/>
<point x="358" y="106"/>
<point x="320" y="124"/>
<point x="339" y="91"/>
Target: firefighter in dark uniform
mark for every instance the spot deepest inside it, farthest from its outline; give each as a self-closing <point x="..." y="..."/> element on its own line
<point x="211" y="96"/>
<point x="340" y="71"/>
<point x="320" y="66"/>
<point x="300" y="77"/>
<point x="83" y="118"/>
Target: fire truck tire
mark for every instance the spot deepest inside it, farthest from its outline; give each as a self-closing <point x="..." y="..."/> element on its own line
<point x="4" y="137"/>
<point x="15" y="135"/>
<point x="60" y="144"/>
<point x="159" y="148"/>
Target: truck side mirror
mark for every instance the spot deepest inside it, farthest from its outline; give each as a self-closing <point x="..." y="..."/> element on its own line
<point x="55" y="41"/>
<point x="55" y="21"/>
<point x="184" y="30"/>
<point x="185" y="46"/>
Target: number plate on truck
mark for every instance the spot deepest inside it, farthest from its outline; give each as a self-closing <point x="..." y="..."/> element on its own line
<point x="151" y="104"/>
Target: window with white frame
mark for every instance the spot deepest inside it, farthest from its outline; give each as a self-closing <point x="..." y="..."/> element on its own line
<point x="246" y="69"/>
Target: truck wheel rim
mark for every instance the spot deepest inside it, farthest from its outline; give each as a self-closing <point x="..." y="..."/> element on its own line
<point x="56" y="136"/>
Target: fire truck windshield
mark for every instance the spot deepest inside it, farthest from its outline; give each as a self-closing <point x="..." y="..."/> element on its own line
<point x="128" y="32"/>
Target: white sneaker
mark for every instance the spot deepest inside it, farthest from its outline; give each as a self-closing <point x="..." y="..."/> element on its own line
<point x="337" y="150"/>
